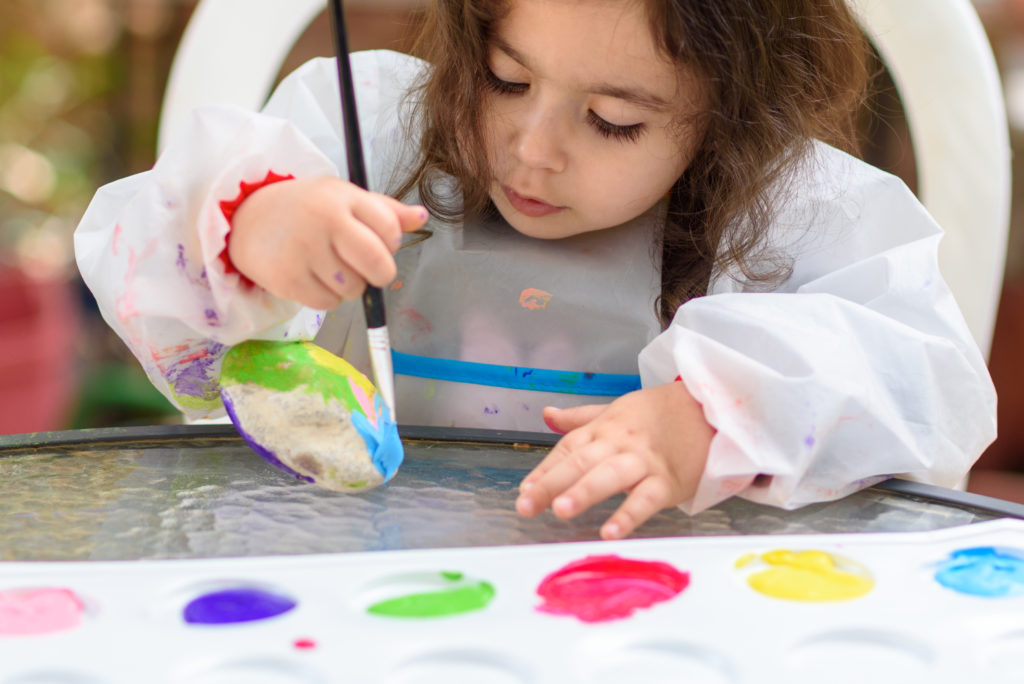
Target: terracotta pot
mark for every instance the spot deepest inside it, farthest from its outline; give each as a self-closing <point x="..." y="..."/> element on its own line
<point x="38" y="324"/>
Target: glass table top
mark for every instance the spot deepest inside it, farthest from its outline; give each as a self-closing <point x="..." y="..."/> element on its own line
<point x="200" y="492"/>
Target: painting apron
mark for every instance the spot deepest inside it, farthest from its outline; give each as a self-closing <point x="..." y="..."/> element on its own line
<point x="488" y="326"/>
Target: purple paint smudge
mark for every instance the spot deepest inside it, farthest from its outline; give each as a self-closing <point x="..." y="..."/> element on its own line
<point x="192" y="377"/>
<point x="809" y="440"/>
<point x="181" y="257"/>
<point x="491" y="410"/>
<point x="211" y="316"/>
<point x="236" y="605"/>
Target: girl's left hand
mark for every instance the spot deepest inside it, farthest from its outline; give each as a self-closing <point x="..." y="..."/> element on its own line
<point x="651" y="443"/>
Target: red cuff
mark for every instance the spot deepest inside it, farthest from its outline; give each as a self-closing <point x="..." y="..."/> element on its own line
<point x="229" y="207"/>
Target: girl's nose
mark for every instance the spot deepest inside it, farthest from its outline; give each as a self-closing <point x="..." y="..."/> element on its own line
<point x="540" y="143"/>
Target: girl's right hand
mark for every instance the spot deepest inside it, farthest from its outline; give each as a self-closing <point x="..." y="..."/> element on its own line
<point x="318" y="241"/>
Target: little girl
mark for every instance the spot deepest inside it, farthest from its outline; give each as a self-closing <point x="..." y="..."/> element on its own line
<point x="635" y="219"/>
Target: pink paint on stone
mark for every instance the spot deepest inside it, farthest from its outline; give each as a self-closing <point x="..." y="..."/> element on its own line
<point x="38" y="611"/>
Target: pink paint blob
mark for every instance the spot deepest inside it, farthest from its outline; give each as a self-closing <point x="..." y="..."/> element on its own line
<point x="603" y="588"/>
<point x="44" y="610"/>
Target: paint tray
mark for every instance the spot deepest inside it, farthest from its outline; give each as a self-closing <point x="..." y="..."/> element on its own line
<point x="908" y="627"/>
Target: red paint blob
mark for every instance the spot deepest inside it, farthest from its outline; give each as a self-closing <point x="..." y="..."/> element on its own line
<point x="304" y="644"/>
<point x="602" y="588"/>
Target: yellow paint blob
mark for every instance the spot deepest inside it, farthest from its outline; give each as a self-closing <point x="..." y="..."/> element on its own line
<point x="808" y="576"/>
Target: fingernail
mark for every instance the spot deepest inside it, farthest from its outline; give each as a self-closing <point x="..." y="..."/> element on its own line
<point x="524" y="506"/>
<point x="563" y="505"/>
<point x="424" y="215"/>
<point x="551" y="426"/>
<point x="525" y="487"/>
<point x="611" y="531"/>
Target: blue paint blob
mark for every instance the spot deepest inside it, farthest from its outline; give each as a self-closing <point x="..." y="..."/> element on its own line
<point x="989" y="571"/>
<point x="382" y="442"/>
<point x="236" y="605"/>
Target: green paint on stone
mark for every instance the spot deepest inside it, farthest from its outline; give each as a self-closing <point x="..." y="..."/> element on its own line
<point x="357" y="485"/>
<point x="436" y="603"/>
<point x="286" y="366"/>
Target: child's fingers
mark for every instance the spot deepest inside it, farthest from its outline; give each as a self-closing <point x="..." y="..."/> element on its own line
<point x="566" y="420"/>
<point x="411" y="216"/>
<point x="649" y="496"/>
<point x="309" y="290"/>
<point x="565" y="472"/>
<point x="564" y="446"/>
<point x="379" y="214"/>
<point x="362" y="249"/>
<point x="609" y="477"/>
<point x="337" y="276"/>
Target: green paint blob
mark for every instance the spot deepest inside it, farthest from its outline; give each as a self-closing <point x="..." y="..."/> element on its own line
<point x="288" y="366"/>
<point x="452" y="575"/>
<point x="436" y="603"/>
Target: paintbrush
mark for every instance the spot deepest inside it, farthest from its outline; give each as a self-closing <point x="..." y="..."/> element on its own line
<point x="373" y="298"/>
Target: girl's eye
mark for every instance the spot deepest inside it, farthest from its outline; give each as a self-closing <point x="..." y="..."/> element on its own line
<point x="505" y="87"/>
<point x="612" y="131"/>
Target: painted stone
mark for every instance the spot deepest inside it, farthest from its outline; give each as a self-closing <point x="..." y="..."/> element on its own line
<point x="311" y="414"/>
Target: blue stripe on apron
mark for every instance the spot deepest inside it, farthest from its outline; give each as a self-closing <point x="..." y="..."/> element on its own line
<point x="515" y="377"/>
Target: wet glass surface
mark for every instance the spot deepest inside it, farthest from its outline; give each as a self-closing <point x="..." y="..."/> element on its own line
<point x="213" y="497"/>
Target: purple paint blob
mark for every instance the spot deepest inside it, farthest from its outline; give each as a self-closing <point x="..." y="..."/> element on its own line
<point x="211" y="315"/>
<point x="181" y="257"/>
<point x="261" y="451"/>
<point x="491" y="410"/>
<point x="809" y="440"/>
<point x="236" y="605"/>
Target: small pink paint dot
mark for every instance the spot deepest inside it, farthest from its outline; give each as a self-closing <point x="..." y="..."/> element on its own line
<point x="305" y="644"/>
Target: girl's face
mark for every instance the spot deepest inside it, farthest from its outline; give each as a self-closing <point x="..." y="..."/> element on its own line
<point x="587" y="124"/>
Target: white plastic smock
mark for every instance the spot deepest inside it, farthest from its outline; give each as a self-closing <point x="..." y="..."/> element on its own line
<point x="857" y="367"/>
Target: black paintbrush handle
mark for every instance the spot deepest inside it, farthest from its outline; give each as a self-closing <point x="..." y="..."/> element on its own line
<point x="373" y="298"/>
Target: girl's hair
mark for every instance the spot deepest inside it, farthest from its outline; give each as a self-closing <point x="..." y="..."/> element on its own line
<point x="777" y="74"/>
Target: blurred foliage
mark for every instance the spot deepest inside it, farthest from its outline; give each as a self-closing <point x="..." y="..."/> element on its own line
<point x="73" y="117"/>
<point x="57" y="137"/>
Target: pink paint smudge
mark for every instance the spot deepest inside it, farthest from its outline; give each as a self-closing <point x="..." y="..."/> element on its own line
<point x="419" y="324"/>
<point x="603" y="588"/>
<point x="364" y="402"/>
<point x="533" y="299"/>
<point x="44" y="610"/>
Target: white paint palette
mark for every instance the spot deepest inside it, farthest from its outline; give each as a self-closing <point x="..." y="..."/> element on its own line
<point x="917" y="621"/>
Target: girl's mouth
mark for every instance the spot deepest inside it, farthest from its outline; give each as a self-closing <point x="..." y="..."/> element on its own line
<point x="527" y="205"/>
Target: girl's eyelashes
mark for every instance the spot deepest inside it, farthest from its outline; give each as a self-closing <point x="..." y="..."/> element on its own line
<point x="605" y="129"/>
<point x="629" y="133"/>
<point x="505" y="87"/>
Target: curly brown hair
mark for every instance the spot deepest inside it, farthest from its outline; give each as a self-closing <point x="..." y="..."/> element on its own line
<point x="777" y="74"/>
